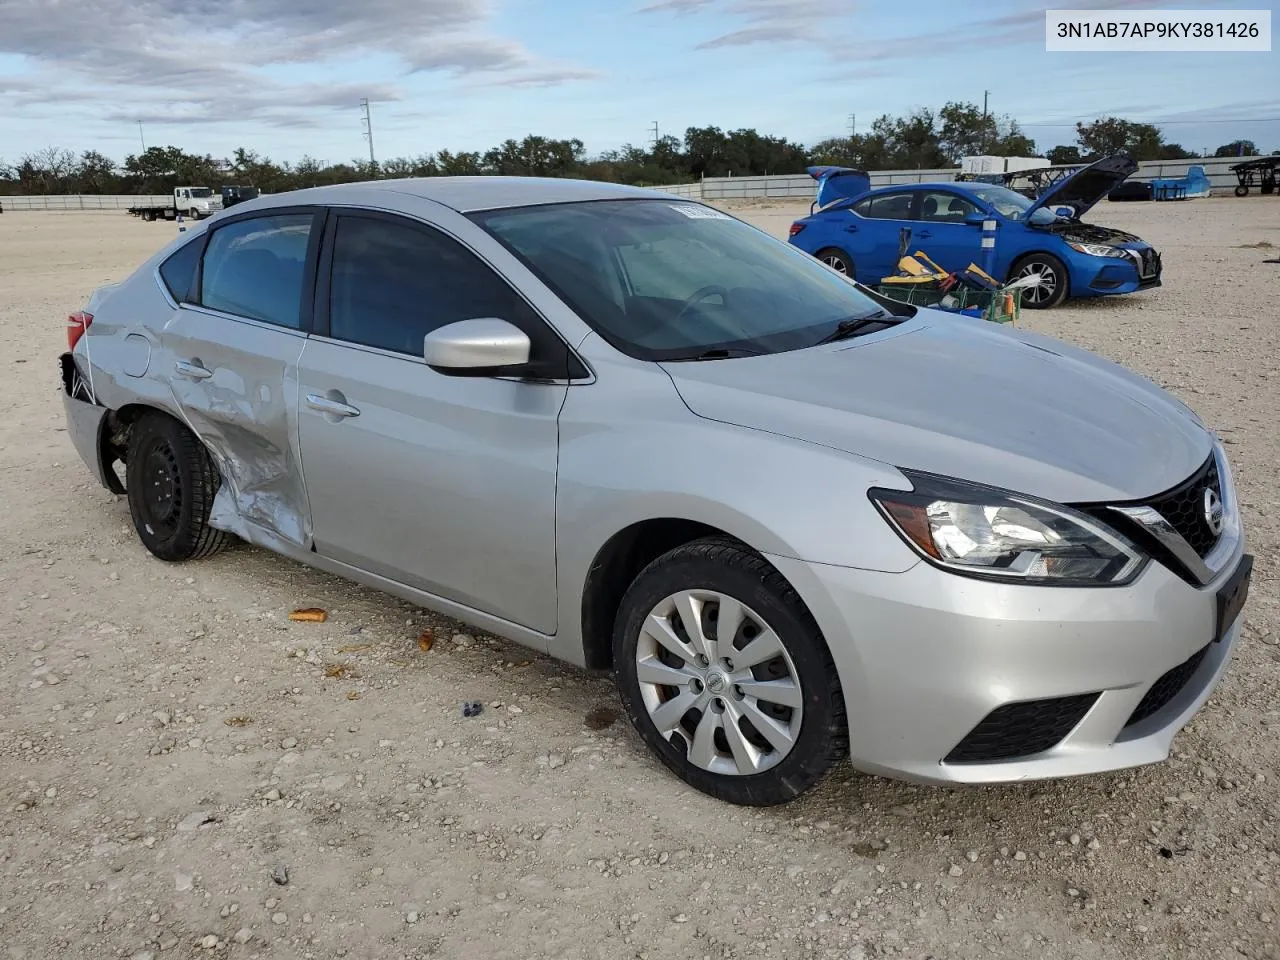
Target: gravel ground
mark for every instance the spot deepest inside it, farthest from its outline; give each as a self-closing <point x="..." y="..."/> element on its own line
<point x="185" y="772"/>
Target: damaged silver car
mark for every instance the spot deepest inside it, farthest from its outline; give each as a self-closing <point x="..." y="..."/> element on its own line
<point x="798" y="521"/>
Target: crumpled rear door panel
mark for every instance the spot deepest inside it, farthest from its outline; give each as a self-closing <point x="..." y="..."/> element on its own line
<point x="245" y="412"/>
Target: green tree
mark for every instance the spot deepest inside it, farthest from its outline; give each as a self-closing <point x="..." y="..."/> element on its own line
<point x="1237" y="148"/>
<point x="96" y="173"/>
<point x="1112" y="135"/>
<point x="1064" y="156"/>
<point x="1175" y="151"/>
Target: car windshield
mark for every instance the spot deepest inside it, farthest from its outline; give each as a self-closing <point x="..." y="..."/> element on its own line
<point x="201" y="192"/>
<point x="671" y="280"/>
<point x="1014" y="205"/>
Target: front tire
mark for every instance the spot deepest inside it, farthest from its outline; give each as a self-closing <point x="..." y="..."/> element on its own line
<point x="1242" y="191"/>
<point x="1053" y="284"/>
<point x="837" y="260"/>
<point x="171" y="482"/>
<point x="726" y="676"/>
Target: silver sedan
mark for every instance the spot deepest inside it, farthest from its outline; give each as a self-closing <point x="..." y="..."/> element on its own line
<point x="798" y="521"/>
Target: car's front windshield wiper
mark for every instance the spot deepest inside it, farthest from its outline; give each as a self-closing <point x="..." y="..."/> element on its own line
<point x="851" y="325"/>
<point x="716" y="353"/>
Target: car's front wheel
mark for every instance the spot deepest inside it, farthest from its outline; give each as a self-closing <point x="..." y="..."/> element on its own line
<point x="837" y="260"/>
<point x="1052" y="282"/>
<point x="726" y="676"/>
<point x="171" y="481"/>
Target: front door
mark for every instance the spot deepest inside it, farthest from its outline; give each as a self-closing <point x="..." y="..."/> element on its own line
<point x="444" y="483"/>
<point x="943" y="234"/>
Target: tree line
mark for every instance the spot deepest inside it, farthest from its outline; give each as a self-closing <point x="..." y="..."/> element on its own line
<point x="924" y="139"/>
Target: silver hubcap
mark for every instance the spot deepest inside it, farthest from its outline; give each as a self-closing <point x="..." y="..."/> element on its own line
<point x="1046" y="282"/>
<point x="836" y="263"/>
<point x="717" y="681"/>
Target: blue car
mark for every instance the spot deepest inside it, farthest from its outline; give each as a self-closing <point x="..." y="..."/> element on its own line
<point x="859" y="231"/>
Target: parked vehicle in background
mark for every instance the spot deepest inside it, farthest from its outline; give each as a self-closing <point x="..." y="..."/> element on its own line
<point x="1042" y="238"/>
<point x="193" y="202"/>
<point x="231" y="195"/>
<point x="798" y="521"/>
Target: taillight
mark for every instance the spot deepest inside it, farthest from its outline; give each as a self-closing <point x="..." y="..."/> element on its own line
<point x="796" y="228"/>
<point x="77" y="324"/>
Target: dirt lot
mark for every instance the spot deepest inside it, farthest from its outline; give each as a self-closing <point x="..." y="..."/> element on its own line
<point x="172" y="747"/>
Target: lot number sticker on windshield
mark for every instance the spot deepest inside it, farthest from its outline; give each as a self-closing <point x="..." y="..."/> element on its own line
<point x="699" y="213"/>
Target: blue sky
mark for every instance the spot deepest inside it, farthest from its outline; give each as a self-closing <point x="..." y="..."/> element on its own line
<point x="284" y="77"/>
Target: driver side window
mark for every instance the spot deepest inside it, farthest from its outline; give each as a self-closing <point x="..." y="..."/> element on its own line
<point x="945" y="207"/>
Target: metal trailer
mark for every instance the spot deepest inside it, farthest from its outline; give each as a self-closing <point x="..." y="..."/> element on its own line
<point x="1261" y="171"/>
<point x="1038" y="179"/>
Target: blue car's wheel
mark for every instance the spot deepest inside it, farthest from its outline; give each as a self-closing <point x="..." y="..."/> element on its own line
<point x="1052" y="282"/>
<point x="837" y="260"/>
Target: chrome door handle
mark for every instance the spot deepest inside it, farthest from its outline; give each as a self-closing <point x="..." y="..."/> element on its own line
<point x="334" y="408"/>
<point x="192" y="369"/>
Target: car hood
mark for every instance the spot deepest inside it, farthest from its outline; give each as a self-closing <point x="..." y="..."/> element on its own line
<point x="967" y="399"/>
<point x="1086" y="186"/>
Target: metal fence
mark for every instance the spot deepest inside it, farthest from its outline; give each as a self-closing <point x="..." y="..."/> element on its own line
<point x="79" y="201"/>
<point x="801" y="185"/>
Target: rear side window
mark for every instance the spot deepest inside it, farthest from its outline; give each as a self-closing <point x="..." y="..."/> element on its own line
<point x="255" y="268"/>
<point x="179" y="271"/>
<point x="889" y="206"/>
<point x="393" y="283"/>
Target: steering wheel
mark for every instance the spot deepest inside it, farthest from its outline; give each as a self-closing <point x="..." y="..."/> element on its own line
<point x="702" y="293"/>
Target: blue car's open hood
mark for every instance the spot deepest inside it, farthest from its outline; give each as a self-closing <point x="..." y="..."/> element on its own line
<point x="1086" y="186"/>
<point x="839" y="183"/>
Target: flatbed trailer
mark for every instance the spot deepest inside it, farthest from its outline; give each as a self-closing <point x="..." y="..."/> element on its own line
<point x="1261" y="171"/>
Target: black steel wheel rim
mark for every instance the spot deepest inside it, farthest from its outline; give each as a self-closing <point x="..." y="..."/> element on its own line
<point x="161" y="498"/>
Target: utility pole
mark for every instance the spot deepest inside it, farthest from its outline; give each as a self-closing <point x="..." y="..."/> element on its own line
<point x="655" y="133"/>
<point x="367" y="119"/>
<point x="985" y="94"/>
<point x="141" y="138"/>
<point x="853" y="125"/>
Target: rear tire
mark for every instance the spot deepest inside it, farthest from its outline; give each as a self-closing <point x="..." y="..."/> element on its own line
<point x="1054" y="280"/>
<point x="759" y="731"/>
<point x="171" y="482"/>
<point x="837" y="260"/>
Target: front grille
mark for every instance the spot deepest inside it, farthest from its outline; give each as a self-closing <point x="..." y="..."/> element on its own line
<point x="1184" y="508"/>
<point x="1166" y="688"/>
<point x="1024" y="729"/>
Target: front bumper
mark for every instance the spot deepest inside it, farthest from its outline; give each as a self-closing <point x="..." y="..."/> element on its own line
<point x="1139" y="270"/>
<point x="925" y="656"/>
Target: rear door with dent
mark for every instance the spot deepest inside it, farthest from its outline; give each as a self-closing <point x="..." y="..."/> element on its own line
<point x="230" y="353"/>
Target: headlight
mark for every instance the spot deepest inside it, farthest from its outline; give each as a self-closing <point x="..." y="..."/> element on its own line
<point x="1096" y="249"/>
<point x="994" y="534"/>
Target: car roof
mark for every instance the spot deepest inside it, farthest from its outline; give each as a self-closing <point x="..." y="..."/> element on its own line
<point x="960" y="185"/>
<point x="463" y="194"/>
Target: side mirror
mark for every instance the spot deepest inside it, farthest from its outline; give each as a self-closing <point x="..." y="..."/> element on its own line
<point x="482" y="347"/>
<point x="976" y="218"/>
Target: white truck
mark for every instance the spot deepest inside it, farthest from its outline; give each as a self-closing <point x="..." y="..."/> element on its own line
<point x="193" y="202"/>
